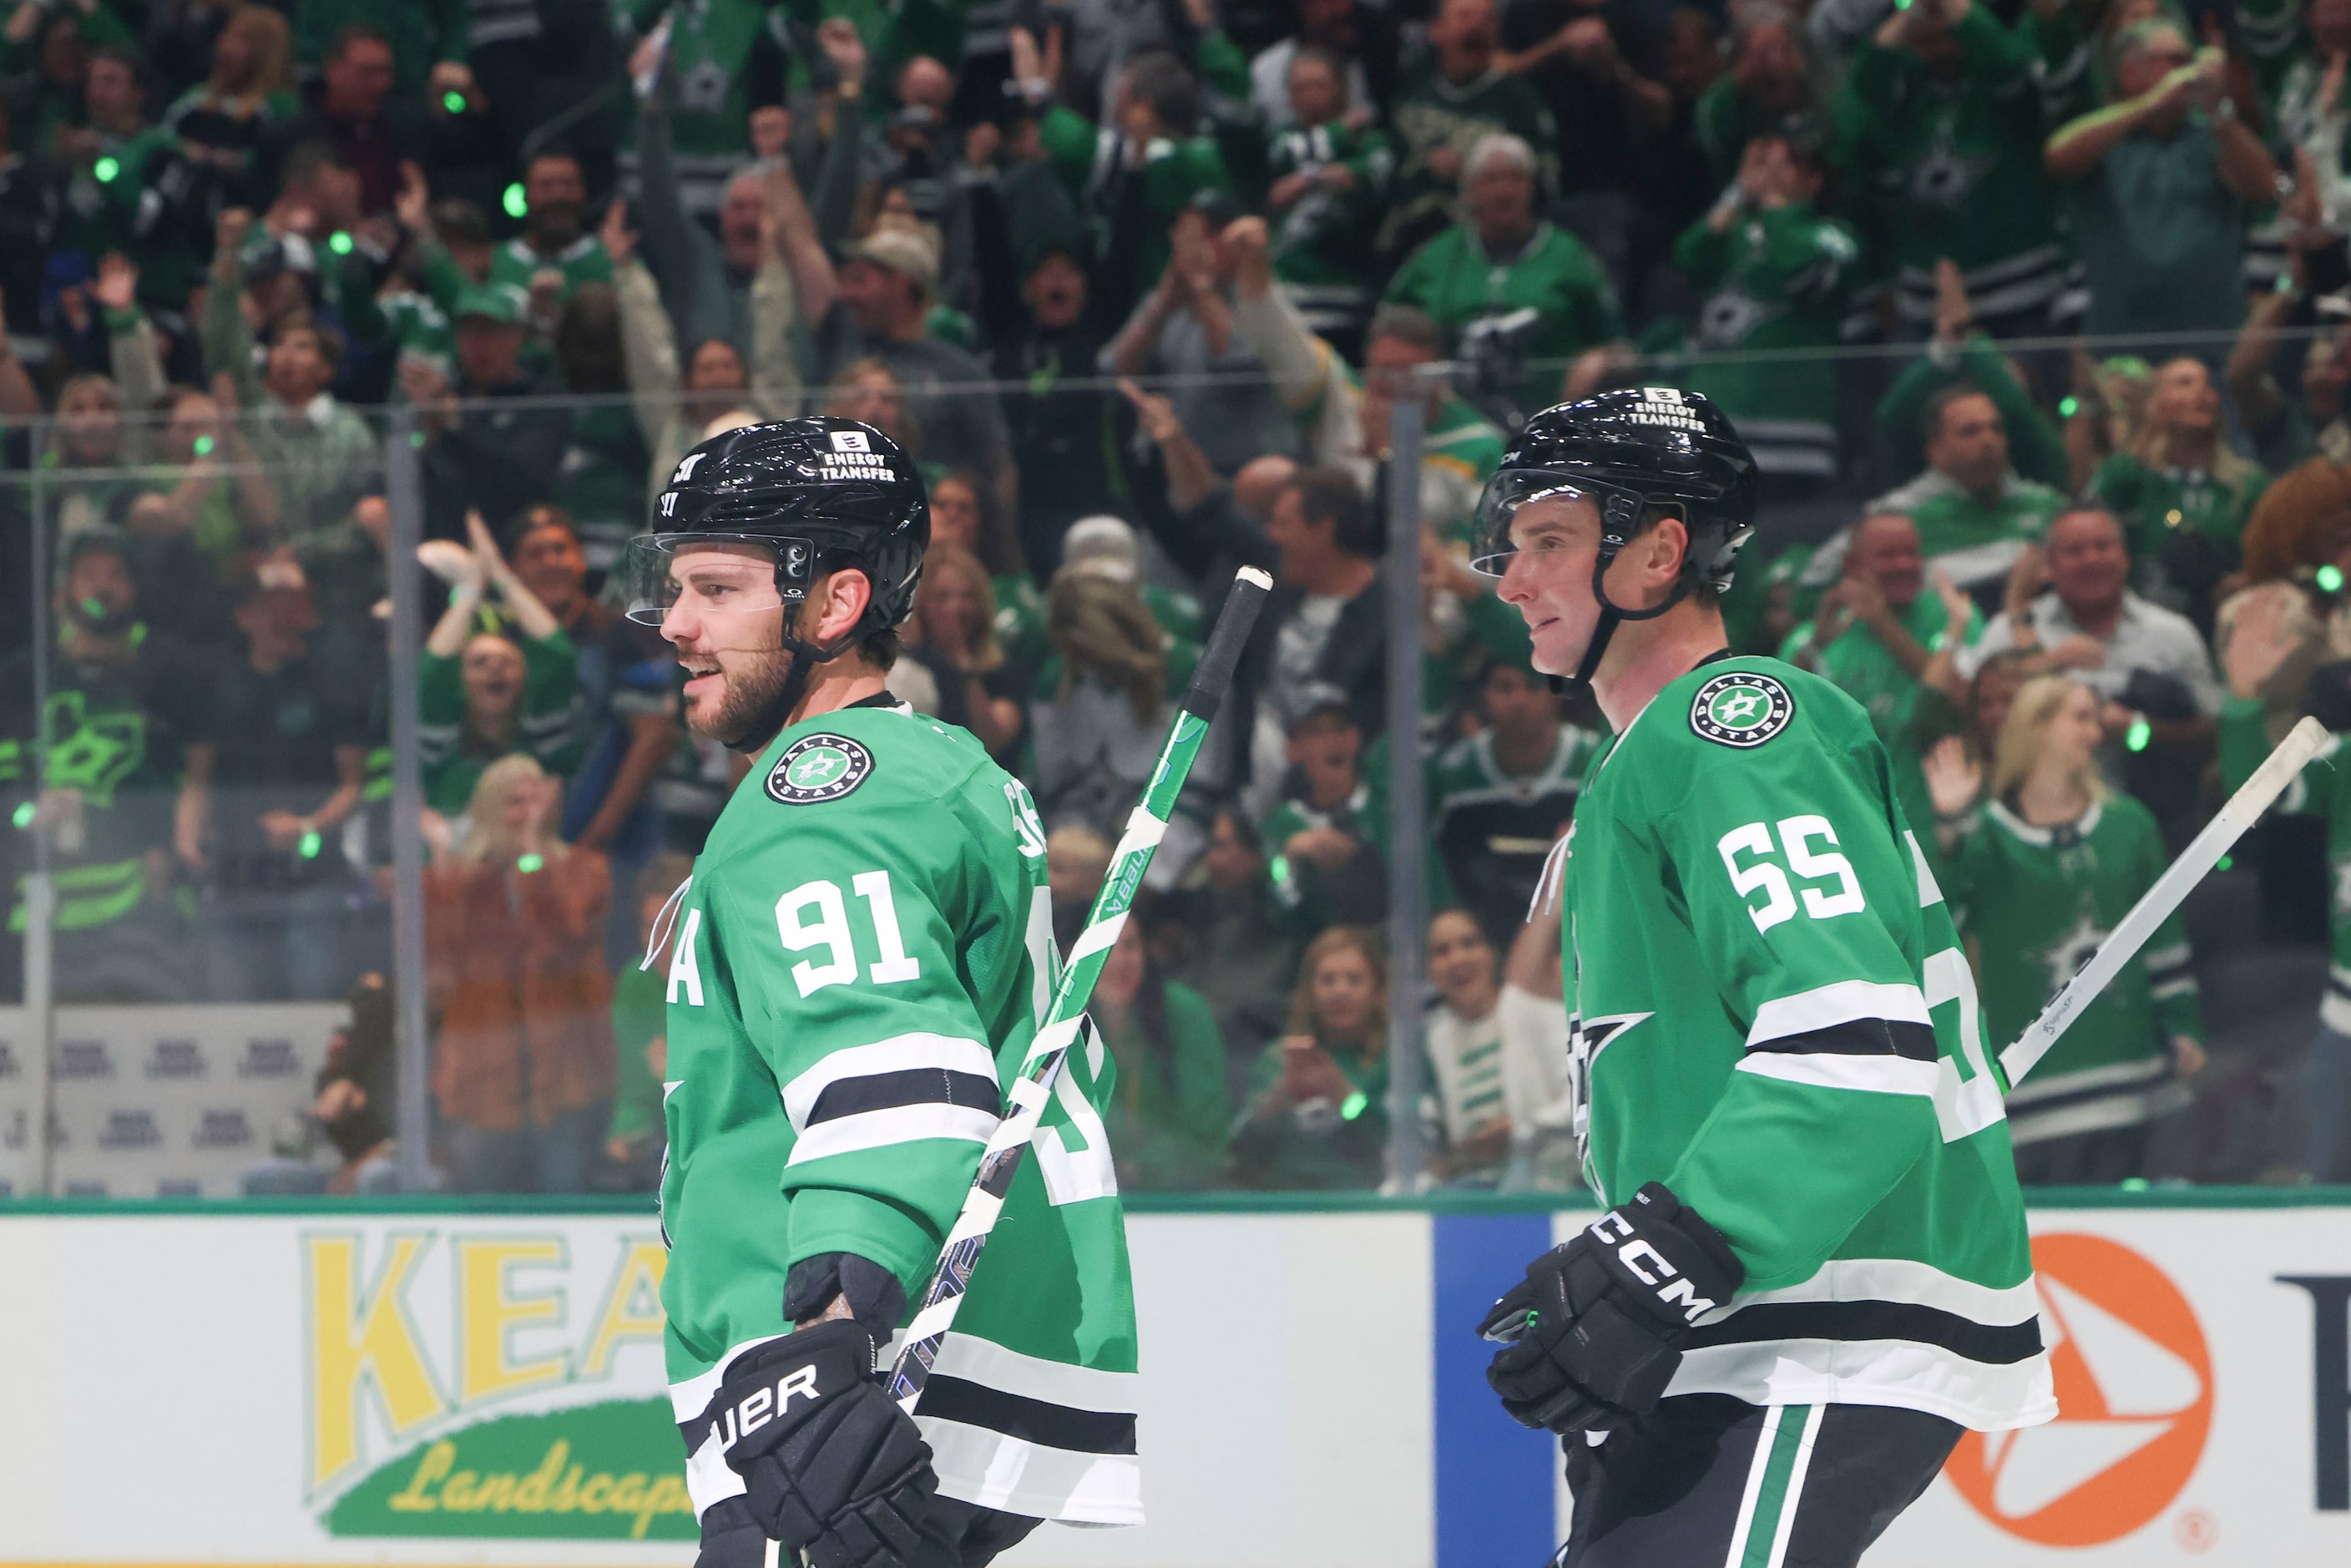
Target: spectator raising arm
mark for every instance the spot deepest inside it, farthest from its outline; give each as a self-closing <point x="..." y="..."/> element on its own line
<point x="537" y="622"/>
<point x="1190" y="476"/>
<point x="800" y="244"/>
<point x="2246" y="167"/>
<point x="447" y="638"/>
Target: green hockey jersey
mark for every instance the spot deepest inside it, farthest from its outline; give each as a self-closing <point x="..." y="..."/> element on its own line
<point x="1953" y="169"/>
<point x="1975" y="541"/>
<point x="1324" y="240"/>
<point x="1770" y="1013"/>
<point x="2165" y="510"/>
<point x="1776" y="283"/>
<point x="862" y="959"/>
<point x="2038" y="902"/>
<point x="2323" y="790"/>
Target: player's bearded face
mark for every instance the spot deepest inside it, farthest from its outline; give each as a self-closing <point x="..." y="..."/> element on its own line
<point x="726" y="624"/>
<point x="1555" y="540"/>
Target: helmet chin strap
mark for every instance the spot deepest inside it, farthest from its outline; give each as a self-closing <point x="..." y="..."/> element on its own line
<point x="1616" y="529"/>
<point x="772" y="715"/>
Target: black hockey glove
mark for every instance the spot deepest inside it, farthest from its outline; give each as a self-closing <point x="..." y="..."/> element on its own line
<point x="829" y="1466"/>
<point x="1595" y="1330"/>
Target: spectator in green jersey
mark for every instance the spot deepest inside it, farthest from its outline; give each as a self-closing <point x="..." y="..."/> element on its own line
<point x="2039" y="876"/>
<point x="1168" y="1112"/>
<point x="1317" y="1113"/>
<point x="1505" y="258"/>
<point x="1772" y="86"/>
<point x="2181" y="492"/>
<point x="1943" y="118"/>
<point x="554" y="239"/>
<point x="1974" y="515"/>
<point x="1455" y="97"/>
<point x="1325" y="836"/>
<point x="1890" y="645"/>
<point x="485" y="696"/>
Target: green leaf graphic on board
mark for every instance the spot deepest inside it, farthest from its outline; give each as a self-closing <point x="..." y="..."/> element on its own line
<point x="612" y="1471"/>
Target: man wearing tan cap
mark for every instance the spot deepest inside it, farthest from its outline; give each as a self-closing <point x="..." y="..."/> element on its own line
<point x="883" y="311"/>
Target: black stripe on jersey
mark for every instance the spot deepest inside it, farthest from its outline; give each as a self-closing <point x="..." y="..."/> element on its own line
<point x="1860" y="1037"/>
<point x="1997" y="1344"/>
<point x="2338" y="985"/>
<point x="1030" y="1421"/>
<point x="907" y="1086"/>
<point x="2182" y="968"/>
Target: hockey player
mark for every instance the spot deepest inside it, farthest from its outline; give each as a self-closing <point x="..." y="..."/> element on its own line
<point x="862" y="957"/>
<point x="1817" y="1271"/>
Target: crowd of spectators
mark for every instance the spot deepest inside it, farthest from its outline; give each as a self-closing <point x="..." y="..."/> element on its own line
<point x="2036" y="314"/>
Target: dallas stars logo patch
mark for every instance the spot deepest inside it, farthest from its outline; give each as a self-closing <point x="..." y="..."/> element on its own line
<point x="818" y="768"/>
<point x="1742" y="709"/>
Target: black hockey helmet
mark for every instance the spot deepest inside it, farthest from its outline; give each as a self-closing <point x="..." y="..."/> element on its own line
<point x="818" y="493"/>
<point x="815" y="495"/>
<point x="1629" y="453"/>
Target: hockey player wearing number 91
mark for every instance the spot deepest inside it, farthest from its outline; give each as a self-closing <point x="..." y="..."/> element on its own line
<point x="861" y="957"/>
<point x="1817" y="1271"/>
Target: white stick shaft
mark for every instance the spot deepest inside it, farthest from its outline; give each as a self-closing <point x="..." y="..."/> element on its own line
<point x="2155" y="906"/>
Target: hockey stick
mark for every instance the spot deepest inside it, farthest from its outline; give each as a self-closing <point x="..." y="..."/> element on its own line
<point x="1001" y="1159"/>
<point x="2155" y="906"/>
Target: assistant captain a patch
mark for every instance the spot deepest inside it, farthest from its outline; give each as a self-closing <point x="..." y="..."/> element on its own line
<point x="818" y="768"/>
<point x="1742" y="709"/>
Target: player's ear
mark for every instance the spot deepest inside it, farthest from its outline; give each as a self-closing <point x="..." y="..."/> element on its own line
<point x="1667" y="539"/>
<point x="841" y="598"/>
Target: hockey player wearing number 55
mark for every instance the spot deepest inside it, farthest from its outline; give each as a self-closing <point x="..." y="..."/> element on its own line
<point x="863" y="955"/>
<point x="1817" y="1271"/>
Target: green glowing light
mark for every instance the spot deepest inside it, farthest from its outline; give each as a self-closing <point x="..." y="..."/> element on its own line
<point x="309" y="847"/>
<point x="1279" y="868"/>
<point x="455" y="102"/>
<point x="416" y="438"/>
<point x="23" y="816"/>
<point x="515" y="205"/>
<point x="2068" y="406"/>
<point x="2136" y="737"/>
<point x="2330" y="578"/>
<point x="2285" y="283"/>
<point x="203" y="446"/>
<point x="1352" y="1106"/>
<point x="106" y="168"/>
<point x="2134" y="1184"/>
<point x="2226" y="862"/>
<point x="340" y="243"/>
<point x="529" y="864"/>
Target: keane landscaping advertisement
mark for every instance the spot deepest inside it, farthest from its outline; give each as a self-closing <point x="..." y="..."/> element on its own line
<point x="440" y="1388"/>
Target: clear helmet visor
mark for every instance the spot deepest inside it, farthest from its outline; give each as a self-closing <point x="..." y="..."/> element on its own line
<point x="1491" y="541"/>
<point x="716" y="573"/>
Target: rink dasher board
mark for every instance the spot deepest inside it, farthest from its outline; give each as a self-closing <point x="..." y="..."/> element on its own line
<point x="327" y="1379"/>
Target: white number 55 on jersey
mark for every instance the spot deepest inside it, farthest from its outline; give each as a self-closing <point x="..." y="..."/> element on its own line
<point x="1796" y="837"/>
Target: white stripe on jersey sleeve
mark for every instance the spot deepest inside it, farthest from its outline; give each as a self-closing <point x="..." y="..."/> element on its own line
<point x="895" y="1125"/>
<point x="1846" y="1001"/>
<point x="1837" y="1070"/>
<point x="897" y="1054"/>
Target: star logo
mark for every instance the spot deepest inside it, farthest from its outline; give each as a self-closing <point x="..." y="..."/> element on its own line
<point x="2072" y="947"/>
<point x="1742" y="709"/>
<point x="818" y="768"/>
<point x="1587" y="1038"/>
<point x="1945" y="177"/>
